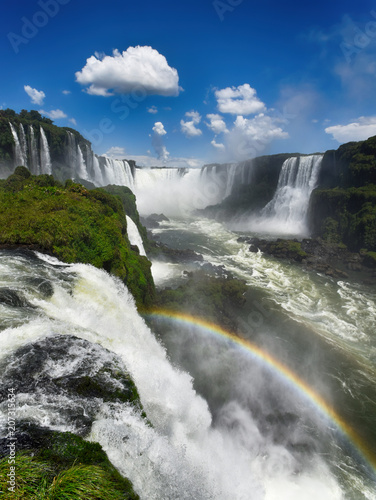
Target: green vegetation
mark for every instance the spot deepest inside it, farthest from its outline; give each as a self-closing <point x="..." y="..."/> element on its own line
<point x="128" y="200"/>
<point x="345" y="215"/>
<point x="62" y="466"/>
<point x="75" y="225"/>
<point x="343" y="208"/>
<point x="56" y="136"/>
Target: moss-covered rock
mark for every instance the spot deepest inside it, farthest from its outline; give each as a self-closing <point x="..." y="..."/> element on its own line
<point x="75" y="225"/>
<point x="345" y="215"/>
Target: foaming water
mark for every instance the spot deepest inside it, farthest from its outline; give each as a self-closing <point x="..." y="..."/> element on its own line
<point x="134" y="235"/>
<point x="286" y="213"/>
<point x="185" y="454"/>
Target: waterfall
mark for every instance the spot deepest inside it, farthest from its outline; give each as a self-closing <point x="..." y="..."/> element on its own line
<point x="287" y="211"/>
<point x="34" y="156"/>
<point x="71" y="153"/>
<point x="45" y="158"/>
<point x="19" y="152"/>
<point x="134" y="235"/>
<point x="230" y="179"/>
<point x="97" y="173"/>
<point x="118" y="172"/>
<point x="23" y="145"/>
<point x="81" y="166"/>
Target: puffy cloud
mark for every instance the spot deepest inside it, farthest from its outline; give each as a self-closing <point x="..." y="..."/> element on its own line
<point x="217" y="123"/>
<point x="241" y="100"/>
<point x="142" y="68"/>
<point x="116" y="152"/>
<point x="54" y="114"/>
<point x="153" y="110"/>
<point x="249" y="137"/>
<point x="189" y="127"/>
<point x="218" y="145"/>
<point x="66" y="92"/>
<point x="37" y="96"/>
<point x="159" y="128"/>
<point x="157" y="141"/>
<point x="361" y="129"/>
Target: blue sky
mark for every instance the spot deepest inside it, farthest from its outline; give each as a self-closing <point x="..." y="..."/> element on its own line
<point x="196" y="81"/>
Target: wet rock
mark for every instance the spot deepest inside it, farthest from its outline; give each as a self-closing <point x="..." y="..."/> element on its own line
<point x="12" y="298"/>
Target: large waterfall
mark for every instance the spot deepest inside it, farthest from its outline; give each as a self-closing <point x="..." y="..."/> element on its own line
<point x="287" y="211"/>
<point x="45" y="158"/>
<point x="34" y="156"/>
<point x="178" y="191"/>
<point x="19" y="149"/>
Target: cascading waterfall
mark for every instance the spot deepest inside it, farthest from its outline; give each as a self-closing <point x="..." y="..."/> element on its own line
<point x="45" y="158"/>
<point x="33" y="148"/>
<point x="286" y="213"/>
<point x="23" y="145"/>
<point x="134" y="235"/>
<point x="71" y="152"/>
<point x="185" y="454"/>
<point x="19" y="152"/>
<point x="81" y="165"/>
<point x="118" y="172"/>
<point x="230" y="179"/>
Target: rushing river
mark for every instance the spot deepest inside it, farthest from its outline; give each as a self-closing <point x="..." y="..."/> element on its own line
<point x="289" y="415"/>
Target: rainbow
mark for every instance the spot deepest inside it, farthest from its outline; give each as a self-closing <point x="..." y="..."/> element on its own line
<point x="288" y="375"/>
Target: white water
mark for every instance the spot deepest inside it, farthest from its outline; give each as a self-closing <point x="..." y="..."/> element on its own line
<point x="23" y="145"/>
<point x="45" y="158"/>
<point x="81" y="167"/>
<point x="34" y="155"/>
<point x="19" y="153"/>
<point x="286" y="213"/>
<point x="184" y="455"/>
<point x="134" y="235"/>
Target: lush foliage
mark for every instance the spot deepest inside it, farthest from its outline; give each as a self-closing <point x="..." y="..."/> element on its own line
<point x="74" y="224"/>
<point x="128" y="200"/>
<point x="345" y="215"/>
<point x="62" y="466"/>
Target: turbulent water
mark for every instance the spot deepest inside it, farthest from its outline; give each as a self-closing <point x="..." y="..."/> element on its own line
<point x="223" y="426"/>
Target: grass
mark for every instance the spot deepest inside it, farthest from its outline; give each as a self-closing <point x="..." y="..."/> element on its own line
<point x="75" y="225"/>
<point x="37" y="479"/>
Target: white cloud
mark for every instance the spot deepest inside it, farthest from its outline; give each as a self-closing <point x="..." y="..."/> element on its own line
<point x="218" y="145"/>
<point x="36" y="96"/>
<point x="159" y="128"/>
<point x="359" y="130"/>
<point x="250" y="137"/>
<point x="54" y="114"/>
<point x="138" y="68"/>
<point x="153" y="110"/>
<point x="66" y="92"/>
<point x="157" y="141"/>
<point x="72" y="120"/>
<point x="241" y="100"/>
<point x="116" y="152"/>
<point x="189" y="127"/>
<point x="217" y="123"/>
